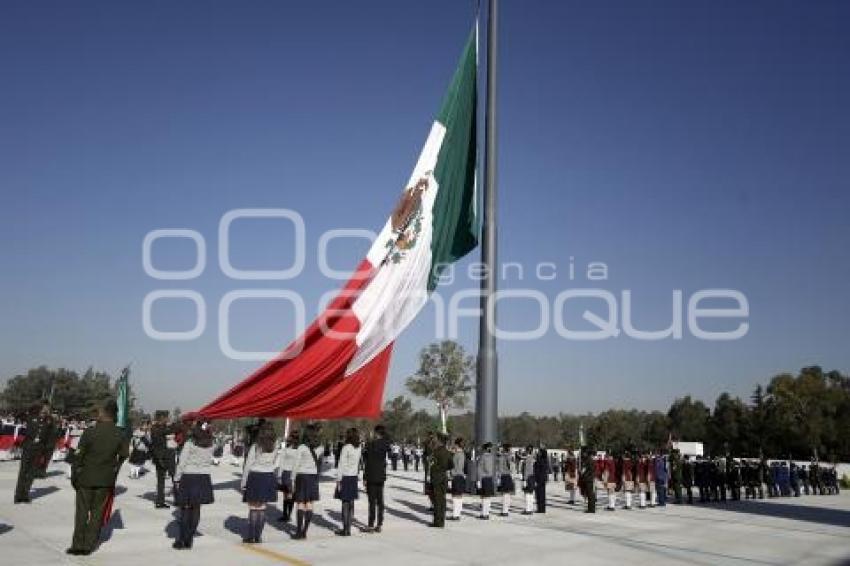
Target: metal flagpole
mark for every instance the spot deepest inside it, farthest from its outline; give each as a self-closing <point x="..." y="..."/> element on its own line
<point x="486" y="392"/>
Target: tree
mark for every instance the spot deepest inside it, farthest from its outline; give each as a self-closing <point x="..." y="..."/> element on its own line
<point x="727" y="426"/>
<point x="68" y="393"/>
<point x="688" y="419"/>
<point x="397" y="417"/>
<point x="444" y="377"/>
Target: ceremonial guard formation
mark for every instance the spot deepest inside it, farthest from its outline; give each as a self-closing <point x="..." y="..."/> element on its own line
<point x="625" y="480"/>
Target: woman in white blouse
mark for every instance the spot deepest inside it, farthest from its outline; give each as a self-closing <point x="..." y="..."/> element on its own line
<point x="346" y="478"/>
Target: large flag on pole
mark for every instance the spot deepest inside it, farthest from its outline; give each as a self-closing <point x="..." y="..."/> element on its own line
<point x="338" y="367"/>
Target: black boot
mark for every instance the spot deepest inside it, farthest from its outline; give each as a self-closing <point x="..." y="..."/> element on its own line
<point x="299" y="524"/>
<point x="182" y="535"/>
<point x="341" y="531"/>
<point x="194" y="520"/>
<point x="261" y="522"/>
<point x="308" y="516"/>
<point x="251" y="535"/>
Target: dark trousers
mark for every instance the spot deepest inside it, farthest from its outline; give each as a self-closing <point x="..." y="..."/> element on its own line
<point x="438" y="500"/>
<point x="160" y="483"/>
<point x="661" y="490"/>
<point x="416" y="463"/>
<point x="540" y="496"/>
<point x="394" y="460"/>
<point x="690" y="493"/>
<point x="677" y="492"/>
<point x="589" y="493"/>
<point x="26" y="474"/>
<point x="91" y="504"/>
<point x="440" y="490"/>
<point x="375" y="492"/>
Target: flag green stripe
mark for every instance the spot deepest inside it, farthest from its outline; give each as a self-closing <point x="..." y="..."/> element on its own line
<point x="455" y="222"/>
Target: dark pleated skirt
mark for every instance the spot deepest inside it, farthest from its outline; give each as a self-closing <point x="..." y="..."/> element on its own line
<point x="347" y="488"/>
<point x="506" y="484"/>
<point x="195" y="489"/>
<point x="458" y="485"/>
<point x="306" y="488"/>
<point x="286" y="482"/>
<point x="138" y="457"/>
<point x="530" y="484"/>
<point x="260" y="487"/>
<point x="488" y="487"/>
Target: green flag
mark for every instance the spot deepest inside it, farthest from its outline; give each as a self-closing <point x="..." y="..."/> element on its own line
<point x="123" y="398"/>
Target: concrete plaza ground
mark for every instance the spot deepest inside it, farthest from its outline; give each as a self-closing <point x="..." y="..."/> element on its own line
<point x="806" y="530"/>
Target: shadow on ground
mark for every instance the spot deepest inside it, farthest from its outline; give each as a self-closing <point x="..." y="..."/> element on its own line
<point x="43" y="491"/>
<point x="115" y="522"/>
<point x="822" y="515"/>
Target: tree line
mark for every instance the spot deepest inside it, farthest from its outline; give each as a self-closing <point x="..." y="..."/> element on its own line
<point x="793" y="415"/>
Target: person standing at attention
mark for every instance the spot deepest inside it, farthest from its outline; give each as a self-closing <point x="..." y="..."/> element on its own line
<point x="346" y="479"/>
<point x="102" y="450"/>
<point x="308" y="466"/>
<point x="259" y="480"/>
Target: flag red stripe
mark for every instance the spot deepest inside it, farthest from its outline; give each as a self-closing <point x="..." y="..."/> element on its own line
<point x="313" y="382"/>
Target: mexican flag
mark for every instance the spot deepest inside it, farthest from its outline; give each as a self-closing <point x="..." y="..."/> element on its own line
<point x="339" y="366"/>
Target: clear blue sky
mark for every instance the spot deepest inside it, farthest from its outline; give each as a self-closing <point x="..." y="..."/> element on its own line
<point x="687" y="145"/>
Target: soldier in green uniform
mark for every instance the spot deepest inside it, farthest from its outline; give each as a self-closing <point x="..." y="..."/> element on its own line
<point x="32" y="451"/>
<point x="676" y="475"/>
<point x="588" y="489"/>
<point x="439" y="466"/>
<point x="49" y="433"/>
<point x="102" y="450"/>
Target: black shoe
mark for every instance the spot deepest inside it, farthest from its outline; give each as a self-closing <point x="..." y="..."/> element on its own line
<point x="179" y="545"/>
<point x="73" y="551"/>
<point x="161" y="506"/>
<point x="436" y="526"/>
<point x="378" y="529"/>
<point x="369" y="529"/>
<point x="505" y="514"/>
<point x="249" y="540"/>
<point x="528" y="513"/>
<point x="340" y="532"/>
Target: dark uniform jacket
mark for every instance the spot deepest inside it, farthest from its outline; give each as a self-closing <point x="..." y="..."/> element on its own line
<point x="441" y="463"/>
<point x="375" y="460"/>
<point x="101" y="451"/>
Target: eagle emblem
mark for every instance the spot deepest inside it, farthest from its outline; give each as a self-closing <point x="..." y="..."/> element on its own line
<point x="406" y="221"/>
